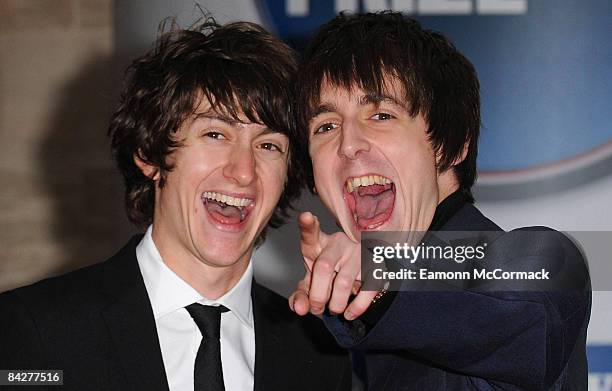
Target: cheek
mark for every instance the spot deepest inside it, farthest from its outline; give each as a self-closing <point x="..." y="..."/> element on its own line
<point x="323" y="150"/>
<point x="412" y="154"/>
<point x="322" y="162"/>
<point x="414" y="163"/>
<point x="319" y="174"/>
<point x="195" y="172"/>
<point x="327" y="184"/>
<point x="273" y="175"/>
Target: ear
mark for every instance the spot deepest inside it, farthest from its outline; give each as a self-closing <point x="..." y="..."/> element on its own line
<point x="463" y="154"/>
<point x="150" y="171"/>
<point x="459" y="158"/>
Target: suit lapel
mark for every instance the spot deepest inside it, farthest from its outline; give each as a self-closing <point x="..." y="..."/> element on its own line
<point x="131" y="324"/>
<point x="271" y="365"/>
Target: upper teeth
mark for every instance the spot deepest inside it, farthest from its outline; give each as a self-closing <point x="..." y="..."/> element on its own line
<point x="366" y="180"/>
<point x="227" y="199"/>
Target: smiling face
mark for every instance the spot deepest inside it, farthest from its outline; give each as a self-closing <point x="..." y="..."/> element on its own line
<point x="226" y="181"/>
<point x="374" y="167"/>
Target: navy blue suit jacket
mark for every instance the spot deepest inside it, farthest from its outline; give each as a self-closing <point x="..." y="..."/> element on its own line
<point x="470" y="340"/>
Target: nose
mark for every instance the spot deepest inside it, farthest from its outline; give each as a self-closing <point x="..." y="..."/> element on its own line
<point x="353" y="141"/>
<point x="241" y="166"/>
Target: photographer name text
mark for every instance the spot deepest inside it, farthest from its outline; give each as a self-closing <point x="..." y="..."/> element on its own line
<point x="476" y="274"/>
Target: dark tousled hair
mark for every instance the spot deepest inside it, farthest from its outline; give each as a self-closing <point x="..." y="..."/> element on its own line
<point x="371" y="49"/>
<point x="238" y="68"/>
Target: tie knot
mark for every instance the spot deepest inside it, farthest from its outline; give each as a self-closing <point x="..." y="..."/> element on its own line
<point x="207" y="318"/>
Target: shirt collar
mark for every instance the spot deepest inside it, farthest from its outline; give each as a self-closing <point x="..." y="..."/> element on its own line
<point x="168" y="292"/>
<point x="447" y="208"/>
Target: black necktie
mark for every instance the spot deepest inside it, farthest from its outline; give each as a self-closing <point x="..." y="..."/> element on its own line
<point x="208" y="373"/>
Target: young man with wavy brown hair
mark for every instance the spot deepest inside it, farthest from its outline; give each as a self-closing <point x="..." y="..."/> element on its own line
<point x="205" y="140"/>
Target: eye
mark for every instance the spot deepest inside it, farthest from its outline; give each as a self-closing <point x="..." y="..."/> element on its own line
<point x="327" y="127"/>
<point x="271" y="147"/>
<point x="382" y="117"/>
<point x="215" y="135"/>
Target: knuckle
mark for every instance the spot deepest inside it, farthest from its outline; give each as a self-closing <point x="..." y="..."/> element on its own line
<point x="336" y="307"/>
<point x="305" y="248"/>
<point x="309" y="249"/>
<point x="317" y="303"/>
<point x="299" y="293"/>
<point x="302" y="286"/>
<point x="360" y="306"/>
<point x="344" y="283"/>
<point x="325" y="265"/>
<point x="339" y="235"/>
<point x="317" y="298"/>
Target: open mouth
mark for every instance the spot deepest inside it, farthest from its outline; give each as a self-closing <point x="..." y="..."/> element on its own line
<point x="370" y="199"/>
<point x="227" y="209"/>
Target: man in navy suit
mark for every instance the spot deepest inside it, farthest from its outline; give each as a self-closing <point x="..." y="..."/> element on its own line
<point x="391" y="114"/>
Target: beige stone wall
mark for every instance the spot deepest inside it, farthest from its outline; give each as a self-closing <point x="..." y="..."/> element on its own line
<point x="58" y="203"/>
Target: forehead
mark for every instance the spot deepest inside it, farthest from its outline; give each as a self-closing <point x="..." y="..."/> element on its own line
<point x="233" y="116"/>
<point x="203" y="107"/>
<point x="206" y="114"/>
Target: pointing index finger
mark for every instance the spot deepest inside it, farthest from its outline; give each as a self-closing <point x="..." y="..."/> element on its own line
<point x="310" y="237"/>
<point x="309" y="228"/>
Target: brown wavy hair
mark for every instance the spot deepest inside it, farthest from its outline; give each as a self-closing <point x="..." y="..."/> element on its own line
<point x="239" y="67"/>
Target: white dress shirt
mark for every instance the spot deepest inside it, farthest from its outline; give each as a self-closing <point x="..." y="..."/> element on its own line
<point x="180" y="338"/>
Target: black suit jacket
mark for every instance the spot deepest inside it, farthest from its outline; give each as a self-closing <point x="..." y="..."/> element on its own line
<point x="475" y="340"/>
<point x="97" y="325"/>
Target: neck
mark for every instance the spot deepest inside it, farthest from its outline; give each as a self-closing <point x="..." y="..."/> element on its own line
<point x="447" y="185"/>
<point x="211" y="281"/>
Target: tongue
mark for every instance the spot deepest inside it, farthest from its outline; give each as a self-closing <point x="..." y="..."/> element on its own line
<point x="372" y="189"/>
<point x="371" y="201"/>
<point x="226" y="214"/>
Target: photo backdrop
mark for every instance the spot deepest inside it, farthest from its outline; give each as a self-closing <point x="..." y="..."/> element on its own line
<point x="546" y="146"/>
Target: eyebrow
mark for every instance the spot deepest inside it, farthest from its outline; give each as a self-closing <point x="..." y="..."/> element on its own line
<point x="213" y="115"/>
<point x="366" y="99"/>
<point x="324" y="108"/>
<point x="377" y="99"/>
<point x="267" y="130"/>
<point x="216" y="116"/>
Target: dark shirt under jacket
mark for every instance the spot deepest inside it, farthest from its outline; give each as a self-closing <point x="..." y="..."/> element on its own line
<point x="97" y="325"/>
<point x="469" y="340"/>
<point x="447" y="208"/>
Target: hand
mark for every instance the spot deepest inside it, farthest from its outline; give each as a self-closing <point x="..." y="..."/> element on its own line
<point x="333" y="272"/>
